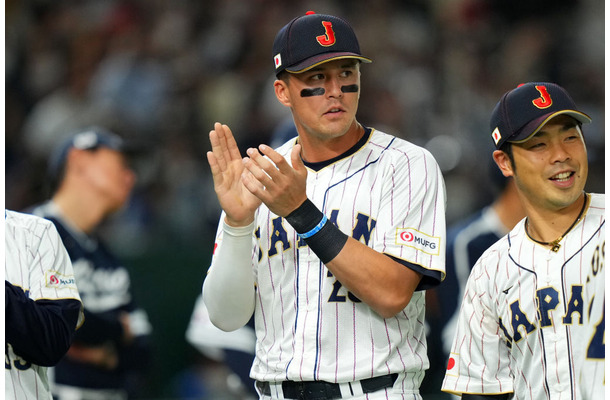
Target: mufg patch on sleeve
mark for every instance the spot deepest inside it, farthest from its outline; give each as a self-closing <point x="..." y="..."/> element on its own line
<point x="57" y="280"/>
<point x="418" y="240"/>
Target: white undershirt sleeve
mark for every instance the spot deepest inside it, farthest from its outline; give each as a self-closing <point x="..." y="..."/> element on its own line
<point x="228" y="289"/>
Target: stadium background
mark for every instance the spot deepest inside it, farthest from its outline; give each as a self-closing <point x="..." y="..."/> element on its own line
<point x="162" y="72"/>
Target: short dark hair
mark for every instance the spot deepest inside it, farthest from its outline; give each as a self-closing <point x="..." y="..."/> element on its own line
<point x="283" y="75"/>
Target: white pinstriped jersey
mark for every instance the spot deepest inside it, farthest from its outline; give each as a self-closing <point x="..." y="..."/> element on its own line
<point x="523" y="320"/>
<point x="37" y="262"/>
<point x="389" y="194"/>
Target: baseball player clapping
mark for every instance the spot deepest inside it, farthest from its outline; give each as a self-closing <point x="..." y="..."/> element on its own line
<point x="330" y="239"/>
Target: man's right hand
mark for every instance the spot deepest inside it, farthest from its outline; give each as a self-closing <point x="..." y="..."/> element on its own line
<point x="227" y="168"/>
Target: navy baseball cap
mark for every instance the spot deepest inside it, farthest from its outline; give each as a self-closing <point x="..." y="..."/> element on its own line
<point x="522" y="111"/>
<point x="90" y="138"/>
<point x="313" y="39"/>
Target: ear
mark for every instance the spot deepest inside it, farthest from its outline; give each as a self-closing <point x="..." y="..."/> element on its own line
<point x="503" y="162"/>
<point x="281" y="92"/>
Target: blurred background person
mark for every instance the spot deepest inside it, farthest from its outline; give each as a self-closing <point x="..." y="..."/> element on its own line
<point x="234" y="349"/>
<point x="111" y="352"/>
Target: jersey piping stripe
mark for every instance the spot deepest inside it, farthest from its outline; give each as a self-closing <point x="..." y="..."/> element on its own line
<point x="296" y="318"/>
<point x="563" y="277"/>
<point x="321" y="269"/>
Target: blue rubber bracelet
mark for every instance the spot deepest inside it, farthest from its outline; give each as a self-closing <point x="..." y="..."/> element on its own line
<point x="316" y="228"/>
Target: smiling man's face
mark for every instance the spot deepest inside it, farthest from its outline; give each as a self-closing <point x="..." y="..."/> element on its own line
<point x="551" y="168"/>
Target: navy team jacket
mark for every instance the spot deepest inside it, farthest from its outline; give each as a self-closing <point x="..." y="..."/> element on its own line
<point x="105" y="289"/>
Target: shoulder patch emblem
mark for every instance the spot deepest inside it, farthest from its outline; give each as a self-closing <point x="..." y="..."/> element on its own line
<point x="418" y="240"/>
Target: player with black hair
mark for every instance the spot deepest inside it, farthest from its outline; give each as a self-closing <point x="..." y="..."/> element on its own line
<point x="523" y="327"/>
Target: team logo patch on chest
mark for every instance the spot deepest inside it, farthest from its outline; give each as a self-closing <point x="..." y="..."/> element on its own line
<point x="420" y="241"/>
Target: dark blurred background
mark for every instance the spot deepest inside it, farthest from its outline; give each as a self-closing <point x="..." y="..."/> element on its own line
<point x="160" y="73"/>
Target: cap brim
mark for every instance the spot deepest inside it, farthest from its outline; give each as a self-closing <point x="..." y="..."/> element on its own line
<point x="312" y="62"/>
<point x="531" y="128"/>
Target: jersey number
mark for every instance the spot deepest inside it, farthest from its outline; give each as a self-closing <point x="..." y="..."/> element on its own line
<point x="18" y="363"/>
<point x="335" y="297"/>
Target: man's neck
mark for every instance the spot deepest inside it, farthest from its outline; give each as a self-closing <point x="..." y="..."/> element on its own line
<point x="83" y="212"/>
<point x="318" y="150"/>
<point x="550" y="225"/>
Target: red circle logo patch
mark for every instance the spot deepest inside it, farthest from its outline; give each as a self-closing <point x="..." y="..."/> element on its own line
<point x="406" y="236"/>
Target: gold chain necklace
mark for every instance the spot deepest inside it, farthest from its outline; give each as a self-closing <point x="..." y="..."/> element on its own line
<point x="555" y="246"/>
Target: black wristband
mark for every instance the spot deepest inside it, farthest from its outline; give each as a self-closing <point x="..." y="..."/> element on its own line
<point x="322" y="237"/>
<point x="305" y="217"/>
<point x="327" y="242"/>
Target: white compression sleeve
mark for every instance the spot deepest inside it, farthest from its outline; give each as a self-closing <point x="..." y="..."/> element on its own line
<point x="228" y="289"/>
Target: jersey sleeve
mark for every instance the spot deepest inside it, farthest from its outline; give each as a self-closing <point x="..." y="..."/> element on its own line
<point x="39" y="331"/>
<point x="51" y="273"/>
<point x="42" y="305"/>
<point x="228" y="288"/>
<point x="413" y="219"/>
<point x="479" y="358"/>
